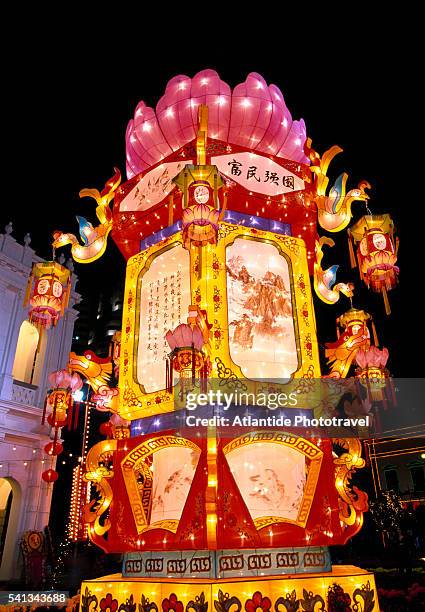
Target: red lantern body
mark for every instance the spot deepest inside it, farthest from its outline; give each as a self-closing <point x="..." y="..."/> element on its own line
<point x="50" y="475"/>
<point x="376" y="253"/>
<point x="53" y="448"/>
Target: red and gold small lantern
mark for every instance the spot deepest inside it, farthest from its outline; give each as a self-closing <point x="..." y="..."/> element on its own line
<point x="376" y="253"/>
<point x="48" y="292"/>
<point x="187" y="357"/>
<point x="58" y="409"/>
<point x="59" y="401"/>
<point x="50" y="475"/>
<point x="200" y="225"/>
<point x="372" y="372"/>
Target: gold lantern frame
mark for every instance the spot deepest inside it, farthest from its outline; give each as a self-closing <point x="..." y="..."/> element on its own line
<point x="208" y="291"/>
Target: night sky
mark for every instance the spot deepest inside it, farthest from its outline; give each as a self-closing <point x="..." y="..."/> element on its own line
<point x="70" y="97"/>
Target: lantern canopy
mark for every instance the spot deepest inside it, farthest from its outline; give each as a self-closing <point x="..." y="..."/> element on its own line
<point x="48" y="292"/>
<point x="376" y="253"/>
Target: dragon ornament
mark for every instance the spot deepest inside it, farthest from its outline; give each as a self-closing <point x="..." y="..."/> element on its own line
<point x="353" y="501"/>
<point x="97" y="371"/>
<point x="324" y="280"/>
<point x="94" y="238"/>
<point x="98" y="473"/>
<point x="333" y="208"/>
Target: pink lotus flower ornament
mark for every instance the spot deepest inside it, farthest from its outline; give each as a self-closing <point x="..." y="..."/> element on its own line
<point x="253" y="115"/>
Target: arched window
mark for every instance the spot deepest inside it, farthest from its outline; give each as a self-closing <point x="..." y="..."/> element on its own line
<point x="6" y="496"/>
<point x="29" y="354"/>
<point x="391" y="478"/>
<point x="417" y="475"/>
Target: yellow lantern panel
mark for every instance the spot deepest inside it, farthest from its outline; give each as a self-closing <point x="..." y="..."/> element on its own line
<point x="248" y="272"/>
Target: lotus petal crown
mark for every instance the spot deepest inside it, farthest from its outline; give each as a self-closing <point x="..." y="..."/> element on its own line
<point x="254" y="115"/>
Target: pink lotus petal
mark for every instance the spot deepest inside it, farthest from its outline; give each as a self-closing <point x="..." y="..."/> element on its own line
<point x="169" y="336"/>
<point x="198" y="339"/>
<point x="254" y="115"/>
<point x="361" y="358"/>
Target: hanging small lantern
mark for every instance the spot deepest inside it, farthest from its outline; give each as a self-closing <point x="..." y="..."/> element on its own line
<point x="50" y="475"/>
<point x="53" y="448"/>
<point x="186" y="356"/>
<point x="372" y="372"/>
<point x="376" y="253"/>
<point x="59" y="401"/>
<point x="48" y="293"/>
<point x="200" y="185"/>
<point x="189" y="343"/>
<point x="200" y="225"/>
<point x="58" y="410"/>
<point x="120" y="428"/>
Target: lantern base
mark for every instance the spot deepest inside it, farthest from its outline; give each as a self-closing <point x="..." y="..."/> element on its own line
<point x="300" y="592"/>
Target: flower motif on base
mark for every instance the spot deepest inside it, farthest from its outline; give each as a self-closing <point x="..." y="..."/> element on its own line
<point x="258" y="603"/>
<point x="172" y="603"/>
<point x="108" y="604"/>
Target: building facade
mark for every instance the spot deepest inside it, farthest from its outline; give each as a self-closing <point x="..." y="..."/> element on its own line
<point x="25" y="363"/>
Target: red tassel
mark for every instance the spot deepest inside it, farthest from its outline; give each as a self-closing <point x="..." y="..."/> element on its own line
<point x="76" y="411"/>
<point x="54" y="409"/>
<point x="69" y="420"/>
<point x="351" y="251"/>
<point x="193" y="364"/>
<point x="43" y="418"/>
<point x="202" y="378"/>
<point x="170" y="374"/>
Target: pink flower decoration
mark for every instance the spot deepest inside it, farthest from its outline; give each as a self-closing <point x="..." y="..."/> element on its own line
<point x="254" y="115"/>
<point x="62" y="379"/>
<point x="201" y="215"/>
<point x="184" y="336"/>
<point x="372" y="357"/>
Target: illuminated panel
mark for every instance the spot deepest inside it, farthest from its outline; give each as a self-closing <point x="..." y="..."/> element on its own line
<point x="173" y="472"/>
<point x="271" y="479"/>
<point x="258" y="173"/>
<point x="261" y="329"/>
<point x="153" y="187"/>
<point x="164" y="301"/>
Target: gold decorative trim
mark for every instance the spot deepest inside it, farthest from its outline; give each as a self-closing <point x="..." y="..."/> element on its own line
<point x="98" y="474"/>
<point x="352" y="502"/>
<point x="131" y="462"/>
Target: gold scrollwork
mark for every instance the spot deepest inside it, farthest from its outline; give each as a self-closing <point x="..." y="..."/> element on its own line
<point x="353" y="502"/>
<point x="228" y="377"/>
<point x="97" y="472"/>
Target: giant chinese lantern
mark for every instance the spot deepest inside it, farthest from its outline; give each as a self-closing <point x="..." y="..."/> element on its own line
<point x="218" y="220"/>
<point x="48" y="292"/>
<point x="376" y="253"/>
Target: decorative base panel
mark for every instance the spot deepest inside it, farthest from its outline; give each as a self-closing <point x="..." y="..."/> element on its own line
<point x="307" y="592"/>
<point x="223" y="564"/>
